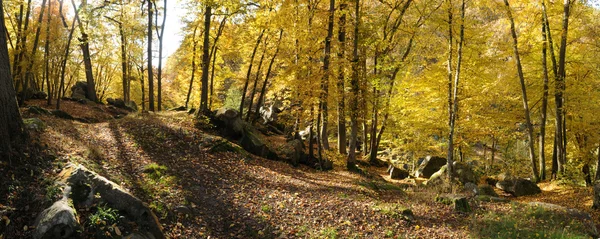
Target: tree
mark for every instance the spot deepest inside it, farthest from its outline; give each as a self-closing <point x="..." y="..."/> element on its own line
<point x="354" y="92"/>
<point x="194" y="43"/>
<point x="150" y="69"/>
<point x="160" y="52"/>
<point x="11" y="124"/>
<point x="341" y="81"/>
<point x="528" y="123"/>
<point x="325" y="81"/>
<point x="542" y="137"/>
<point x="205" y="60"/>
<point x="559" y="84"/>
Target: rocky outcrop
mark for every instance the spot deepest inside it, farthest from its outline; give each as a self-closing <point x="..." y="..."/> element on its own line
<point x="518" y="187"/>
<point x="398" y="173"/>
<point x="230" y="122"/>
<point x="119" y="103"/>
<point x="79" y="90"/>
<point x="61" y="114"/>
<point x="429" y="166"/>
<point x="34" y="124"/>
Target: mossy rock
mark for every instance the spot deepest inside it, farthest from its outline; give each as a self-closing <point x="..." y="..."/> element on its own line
<point x="487" y="198"/>
<point x="487" y="190"/>
<point x="37" y="110"/>
<point x="61" y="114"/>
<point x="34" y="124"/>
<point x="461" y="204"/>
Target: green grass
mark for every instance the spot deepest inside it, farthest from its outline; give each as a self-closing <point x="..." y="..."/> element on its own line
<point x="103" y="216"/>
<point x="266" y="208"/>
<point x="155" y="171"/>
<point x="527" y="222"/>
<point x="329" y="233"/>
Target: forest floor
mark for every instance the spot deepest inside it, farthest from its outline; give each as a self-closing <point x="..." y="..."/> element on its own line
<point x="197" y="194"/>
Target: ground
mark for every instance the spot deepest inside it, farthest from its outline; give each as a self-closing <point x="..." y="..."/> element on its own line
<point x="200" y="194"/>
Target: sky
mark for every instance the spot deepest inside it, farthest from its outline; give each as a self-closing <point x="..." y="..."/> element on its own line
<point x="173" y="34"/>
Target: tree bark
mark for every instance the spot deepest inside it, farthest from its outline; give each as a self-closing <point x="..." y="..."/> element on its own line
<point x="354" y="91"/>
<point x="542" y="139"/>
<point x="46" y="54"/>
<point x="597" y="176"/>
<point x="249" y="71"/>
<point x="150" y="69"/>
<point x="205" y="61"/>
<point x="524" y="94"/>
<point x="257" y="77"/>
<point x="160" y="51"/>
<point x="560" y="89"/>
<point x="325" y="80"/>
<point x="194" y="44"/>
<point x="212" y="79"/>
<point x="341" y="81"/>
<point x="11" y="124"/>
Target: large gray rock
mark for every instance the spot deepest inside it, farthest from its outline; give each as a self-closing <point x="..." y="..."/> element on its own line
<point x="57" y="221"/>
<point x="34" y="124"/>
<point x="37" y="110"/>
<point x="429" y="166"/>
<point x="398" y="173"/>
<point x="518" y="187"/>
<point x="79" y="90"/>
<point x="114" y="196"/>
<point x="253" y="144"/>
<point x="464" y="173"/>
<point x="487" y="190"/>
<point x="232" y="122"/>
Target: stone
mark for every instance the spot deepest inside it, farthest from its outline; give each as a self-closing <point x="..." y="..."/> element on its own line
<point x="57" y="221"/>
<point x="182" y="209"/>
<point x="460" y="203"/>
<point x="231" y="123"/>
<point x="429" y="166"/>
<point x="132" y="105"/>
<point x="294" y="151"/>
<point x="487" y="190"/>
<point x="487" y="198"/>
<point x="34" y="124"/>
<point x="61" y="114"/>
<point x="180" y="108"/>
<point x="119" y="103"/>
<point x="471" y="188"/>
<point x="253" y="144"/>
<point x="36" y="110"/>
<point x="398" y="173"/>
<point x="438" y="178"/>
<point x="518" y="187"/>
<point x="79" y="90"/>
<point x="464" y="173"/>
<point x="114" y="196"/>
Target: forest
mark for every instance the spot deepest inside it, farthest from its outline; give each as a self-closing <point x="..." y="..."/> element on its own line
<point x="299" y="119"/>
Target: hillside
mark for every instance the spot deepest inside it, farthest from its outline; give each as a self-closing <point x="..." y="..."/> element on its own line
<point x="199" y="193"/>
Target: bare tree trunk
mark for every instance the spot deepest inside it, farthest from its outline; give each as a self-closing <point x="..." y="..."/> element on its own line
<point x="542" y="139"/>
<point x="141" y="70"/>
<point x="150" y="68"/>
<point x="341" y="81"/>
<point x="11" y="124"/>
<point x="195" y="43"/>
<point x="354" y="92"/>
<point x="524" y="94"/>
<point x="160" y="51"/>
<point x="560" y="89"/>
<point x="264" y="86"/>
<point x="597" y="176"/>
<point x="249" y="71"/>
<point x="205" y="61"/>
<point x="257" y="77"/>
<point x="28" y="73"/>
<point x="46" y="54"/>
<point x="21" y="52"/>
<point x="325" y="81"/>
<point x="212" y="79"/>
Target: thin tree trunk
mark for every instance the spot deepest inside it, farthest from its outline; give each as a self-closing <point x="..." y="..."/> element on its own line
<point x="212" y="79"/>
<point x="249" y="71"/>
<point x="11" y="124"/>
<point x="341" y="81"/>
<point x="46" y="54"/>
<point x="374" y="123"/>
<point x="28" y="73"/>
<point x="354" y="92"/>
<point x="542" y="139"/>
<point x="205" y="61"/>
<point x="264" y="86"/>
<point x="19" y="36"/>
<point x="160" y="51"/>
<point x="195" y="43"/>
<point x="450" y="52"/>
<point x="325" y="81"/>
<point x="150" y="68"/>
<point x="22" y="49"/>
<point x="141" y="69"/>
<point x="597" y="176"/>
<point x="524" y="94"/>
<point x="258" y="73"/>
<point x="560" y="89"/>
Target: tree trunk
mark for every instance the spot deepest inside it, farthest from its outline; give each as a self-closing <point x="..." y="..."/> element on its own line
<point x="597" y="176"/>
<point x="264" y="86"/>
<point x="63" y="65"/>
<point x="212" y="79"/>
<point x="160" y="51"/>
<point x="325" y="80"/>
<point x="341" y="81"/>
<point x="249" y="71"/>
<point x="542" y="139"/>
<point x="524" y="94"/>
<point x="11" y="124"/>
<point x="374" y="123"/>
<point x="205" y="61"/>
<point x="560" y="89"/>
<point x="354" y="92"/>
<point x="28" y="73"/>
<point x="46" y="54"/>
<point x="141" y="69"/>
<point x="150" y="69"/>
<point x="195" y="43"/>
<point x="257" y="77"/>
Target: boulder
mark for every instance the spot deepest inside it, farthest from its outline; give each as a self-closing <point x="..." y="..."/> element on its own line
<point x="294" y="151"/>
<point x="429" y="166"/>
<point x="231" y="123"/>
<point x="471" y="189"/>
<point x="464" y="173"/>
<point x="40" y="95"/>
<point x="180" y="108"/>
<point x="36" y="110"/>
<point x="119" y="103"/>
<point x="112" y="194"/>
<point x="398" y="173"/>
<point x="57" y="221"/>
<point x="438" y="178"/>
<point x="61" y="114"/>
<point x="34" y="124"/>
<point x="253" y="144"/>
<point x="460" y="203"/>
<point x="518" y="187"/>
<point x="131" y="105"/>
<point x="79" y="90"/>
<point x="487" y="190"/>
